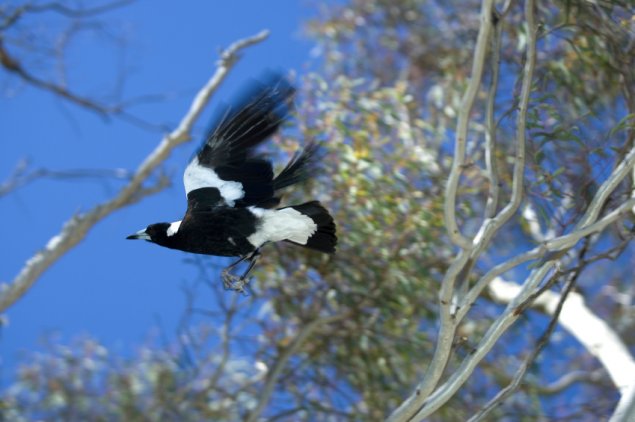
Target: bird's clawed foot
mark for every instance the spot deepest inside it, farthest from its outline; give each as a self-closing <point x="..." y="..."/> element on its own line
<point x="233" y="281"/>
<point x="238" y="283"/>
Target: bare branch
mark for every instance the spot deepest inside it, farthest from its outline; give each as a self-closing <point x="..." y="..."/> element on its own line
<point x="521" y="119"/>
<point x="446" y="331"/>
<point x="542" y="341"/>
<point x="558" y="243"/>
<point x="13" y="15"/>
<point x="597" y="204"/>
<point x="598" y="337"/>
<point x="10" y="60"/>
<point x="12" y="65"/>
<point x="491" y="226"/>
<point x="625" y="410"/>
<point x="226" y="335"/>
<point x="78" y="226"/>
<point x="566" y="241"/>
<point x="22" y="177"/>
<point x="281" y="361"/>
<point x="451" y="190"/>
<point x="463" y="372"/>
<point x="569" y="379"/>
<point x="62" y="9"/>
<point x="490" y="133"/>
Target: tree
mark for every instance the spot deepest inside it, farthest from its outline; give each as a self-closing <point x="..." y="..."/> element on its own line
<point x="408" y="41"/>
<point x="538" y="190"/>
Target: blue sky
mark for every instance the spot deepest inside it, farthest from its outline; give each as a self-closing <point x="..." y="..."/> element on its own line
<point x="107" y="287"/>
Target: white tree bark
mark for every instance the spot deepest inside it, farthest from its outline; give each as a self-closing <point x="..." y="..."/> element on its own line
<point x="591" y="331"/>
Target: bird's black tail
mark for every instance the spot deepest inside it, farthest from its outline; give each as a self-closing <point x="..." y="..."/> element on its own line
<point x="324" y="238"/>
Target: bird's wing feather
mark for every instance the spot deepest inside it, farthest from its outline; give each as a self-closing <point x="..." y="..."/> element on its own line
<point x="226" y="161"/>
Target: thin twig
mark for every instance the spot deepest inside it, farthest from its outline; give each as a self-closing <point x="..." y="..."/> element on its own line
<point x="543" y="252"/>
<point x="12" y="65"/>
<point x="281" y="361"/>
<point x="21" y="178"/>
<point x="597" y="337"/>
<point x="542" y="341"/>
<point x="568" y="379"/>
<point x="82" y="12"/>
<point x="17" y="13"/>
<point x="229" y="313"/>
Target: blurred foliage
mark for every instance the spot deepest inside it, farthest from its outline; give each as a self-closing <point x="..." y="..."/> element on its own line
<point x="384" y="105"/>
<point x="85" y="382"/>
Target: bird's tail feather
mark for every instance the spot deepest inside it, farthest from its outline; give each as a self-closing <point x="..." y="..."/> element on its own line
<point x="299" y="167"/>
<point x="324" y="238"/>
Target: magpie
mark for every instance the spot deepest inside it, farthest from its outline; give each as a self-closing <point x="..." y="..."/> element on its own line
<point x="232" y="202"/>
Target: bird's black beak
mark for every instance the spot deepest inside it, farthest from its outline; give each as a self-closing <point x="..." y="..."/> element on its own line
<point x="141" y="234"/>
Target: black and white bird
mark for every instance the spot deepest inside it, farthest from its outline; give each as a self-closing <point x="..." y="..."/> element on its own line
<point x="232" y="207"/>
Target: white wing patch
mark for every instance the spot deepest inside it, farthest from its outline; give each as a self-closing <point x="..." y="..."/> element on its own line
<point x="174" y="227"/>
<point x="197" y="176"/>
<point x="284" y="224"/>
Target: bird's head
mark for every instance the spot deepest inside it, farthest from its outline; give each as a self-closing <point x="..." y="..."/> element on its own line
<point x="159" y="233"/>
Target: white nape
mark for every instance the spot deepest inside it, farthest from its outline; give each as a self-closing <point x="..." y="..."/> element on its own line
<point x="197" y="176"/>
<point x="174" y="227"/>
<point x="284" y="224"/>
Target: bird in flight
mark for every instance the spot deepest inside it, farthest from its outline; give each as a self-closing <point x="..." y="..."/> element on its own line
<point x="232" y="207"/>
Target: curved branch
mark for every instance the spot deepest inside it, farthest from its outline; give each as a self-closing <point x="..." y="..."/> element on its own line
<point x="567" y="380"/>
<point x="75" y="229"/>
<point x="449" y="208"/>
<point x="490" y="134"/>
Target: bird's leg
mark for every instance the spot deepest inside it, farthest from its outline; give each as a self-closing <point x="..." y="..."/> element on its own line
<point x="237" y="283"/>
<point x="231" y="266"/>
<point x="253" y="258"/>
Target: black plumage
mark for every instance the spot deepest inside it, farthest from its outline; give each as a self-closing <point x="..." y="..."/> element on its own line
<point x="231" y="190"/>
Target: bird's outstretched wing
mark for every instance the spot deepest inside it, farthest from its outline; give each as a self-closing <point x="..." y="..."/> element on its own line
<point x="225" y="171"/>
